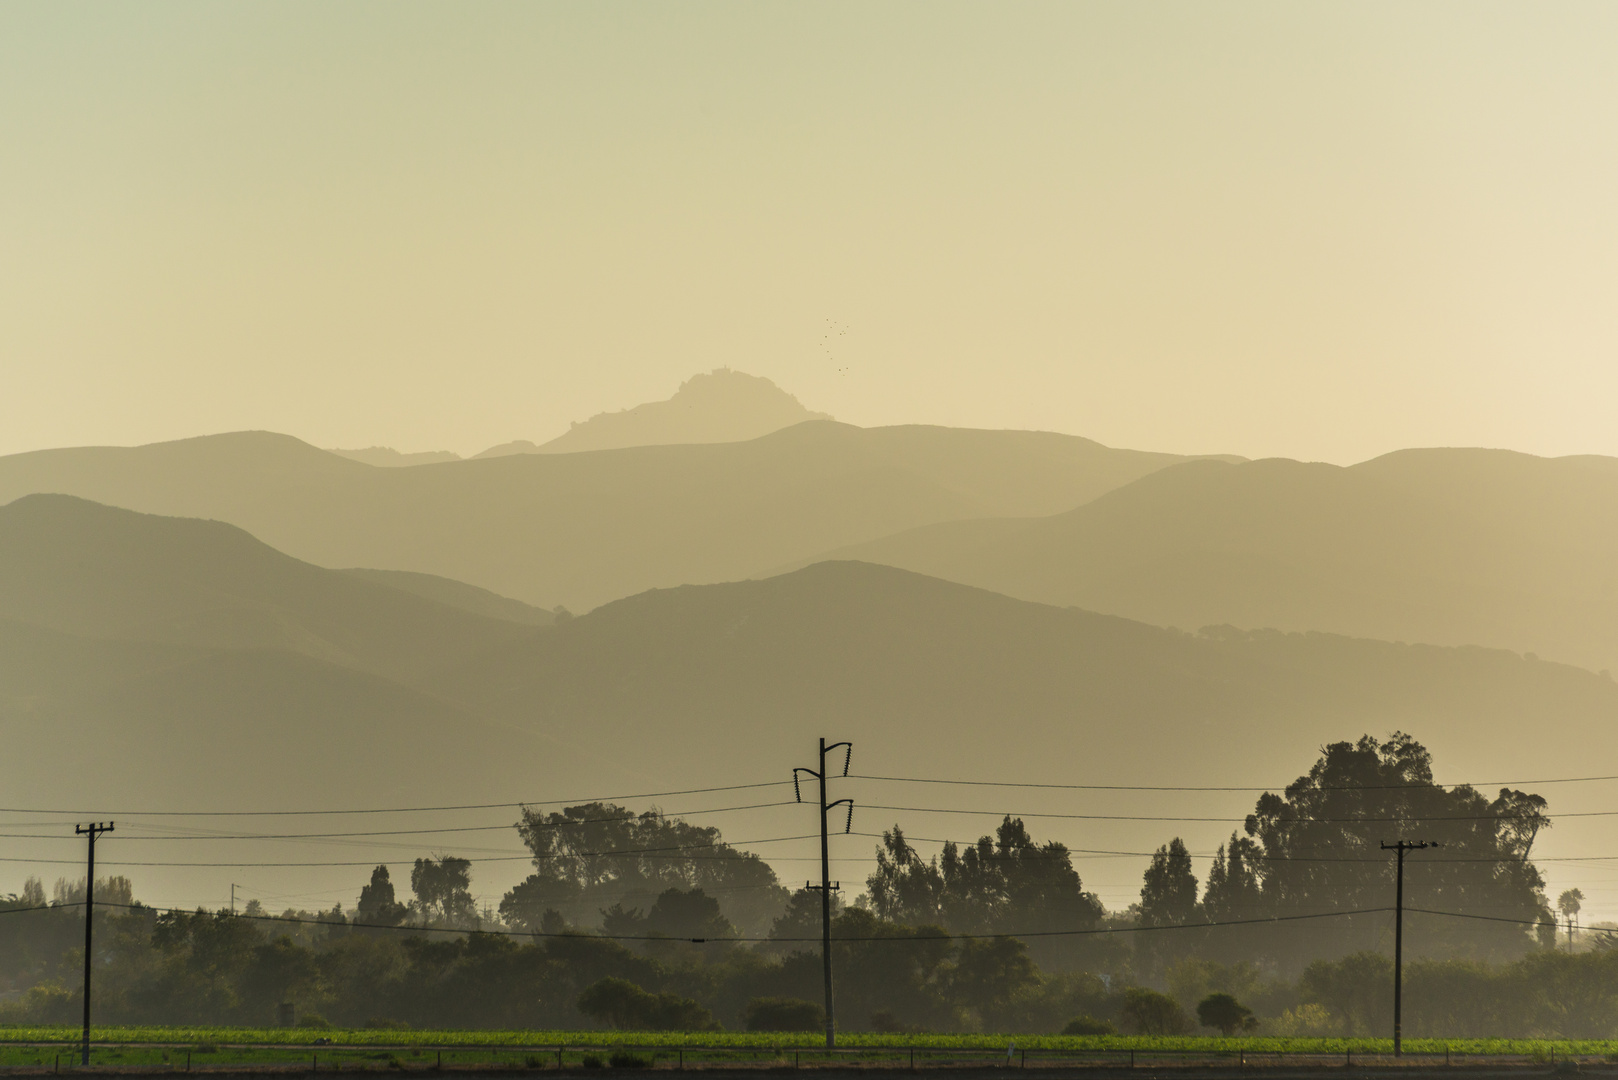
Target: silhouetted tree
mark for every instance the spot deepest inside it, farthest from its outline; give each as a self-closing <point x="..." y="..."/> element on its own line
<point x="1006" y="884"/>
<point x="1321" y="853"/>
<point x="443" y="889"/>
<point x="680" y="913"/>
<point x="1354" y="989"/>
<point x="1149" y="1012"/>
<point x="623" y="1004"/>
<point x="591" y="856"/>
<point x="1169" y="895"/>
<point x="377" y="904"/>
<point x="1224" y="1012"/>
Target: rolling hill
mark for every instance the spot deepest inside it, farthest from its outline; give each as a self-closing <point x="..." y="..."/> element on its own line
<point x="94" y="571"/>
<point x="580" y="529"/>
<point x="118" y="688"/>
<point x="1451" y="547"/>
<point x="948" y="678"/>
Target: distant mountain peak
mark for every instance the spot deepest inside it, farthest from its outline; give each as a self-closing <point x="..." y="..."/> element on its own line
<point x="718" y="406"/>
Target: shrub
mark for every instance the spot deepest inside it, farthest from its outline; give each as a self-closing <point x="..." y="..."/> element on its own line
<point x="1224" y="1012"/>
<point x="784" y="1014"/>
<point x="313" y="1020"/>
<point x="624" y="1060"/>
<point x="593" y="1061"/>
<point x="46" y="1003"/>
<point x="1307" y="1021"/>
<point x="887" y="1022"/>
<point x="1089" y="1025"/>
<point x="1152" y="1013"/>
<point x="626" y="1006"/>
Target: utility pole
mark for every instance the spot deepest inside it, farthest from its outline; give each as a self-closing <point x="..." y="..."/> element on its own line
<point x="1401" y="847"/>
<point x="233" y="898"/>
<point x="92" y="830"/>
<point x="826" y="886"/>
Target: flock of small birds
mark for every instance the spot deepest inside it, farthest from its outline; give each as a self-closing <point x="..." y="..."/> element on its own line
<point x="834" y="330"/>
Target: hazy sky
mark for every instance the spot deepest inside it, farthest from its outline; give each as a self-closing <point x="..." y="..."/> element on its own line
<point x="1318" y="230"/>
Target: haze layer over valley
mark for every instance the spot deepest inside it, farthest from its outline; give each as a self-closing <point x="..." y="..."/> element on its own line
<point x="580" y="529"/>
<point x="143" y="651"/>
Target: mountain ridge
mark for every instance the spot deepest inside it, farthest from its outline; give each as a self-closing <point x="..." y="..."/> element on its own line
<point x="1448" y="545"/>
<point x="718" y="406"/>
<point x="583" y="528"/>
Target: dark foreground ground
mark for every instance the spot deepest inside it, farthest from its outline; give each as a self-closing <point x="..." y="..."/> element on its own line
<point x="1379" y="1069"/>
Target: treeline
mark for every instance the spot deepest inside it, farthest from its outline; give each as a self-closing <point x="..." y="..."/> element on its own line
<point x="219" y="968"/>
<point x="1289" y="932"/>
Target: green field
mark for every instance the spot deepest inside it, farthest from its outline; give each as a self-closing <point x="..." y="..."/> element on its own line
<point x="218" y="1046"/>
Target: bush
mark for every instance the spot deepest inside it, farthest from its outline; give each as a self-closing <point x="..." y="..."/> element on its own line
<point x="626" y="1006"/>
<point x="625" y="1060"/>
<point x="593" y="1061"/>
<point x="1307" y="1021"/>
<point x="783" y="1014"/>
<point x="887" y="1022"/>
<point x="1089" y="1025"/>
<point x="1152" y="1013"/>
<point x="1224" y="1012"/>
<point x="313" y="1020"/>
<point x="46" y="1003"/>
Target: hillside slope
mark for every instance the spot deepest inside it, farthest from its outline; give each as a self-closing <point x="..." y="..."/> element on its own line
<point x="131" y="684"/>
<point x="932" y="679"/>
<point x="95" y="571"/>
<point x="108" y="724"/>
<point x="584" y="528"/>
<point x="931" y="672"/>
<point x="1445" y="546"/>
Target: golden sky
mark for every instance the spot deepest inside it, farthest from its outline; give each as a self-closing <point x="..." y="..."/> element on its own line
<point x="1318" y="230"/>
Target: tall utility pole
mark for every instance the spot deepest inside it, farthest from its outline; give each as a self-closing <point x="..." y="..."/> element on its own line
<point x="92" y="830"/>
<point x="1401" y="847"/>
<point x="826" y="886"/>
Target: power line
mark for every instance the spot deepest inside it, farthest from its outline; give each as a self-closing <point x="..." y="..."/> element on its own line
<point x="516" y="804"/>
<point x="660" y="852"/>
<point x="580" y="800"/>
<point x="1187" y="787"/>
<point x="409" y="832"/>
<point x="1224" y="820"/>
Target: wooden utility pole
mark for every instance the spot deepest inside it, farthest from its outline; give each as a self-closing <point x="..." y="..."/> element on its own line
<point x="91" y="831"/>
<point x="1401" y="847"/>
<point x="826" y="885"/>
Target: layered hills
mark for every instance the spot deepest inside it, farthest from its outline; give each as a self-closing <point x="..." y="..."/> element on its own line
<point x="118" y="686"/>
<point x="584" y="528"/>
<point x="171" y="663"/>
<point x="1447" y="546"/>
